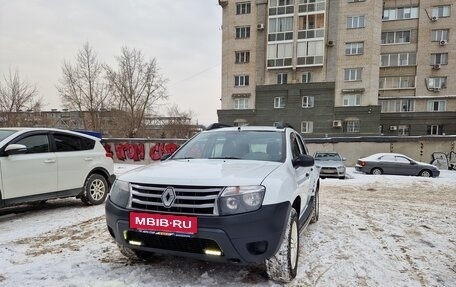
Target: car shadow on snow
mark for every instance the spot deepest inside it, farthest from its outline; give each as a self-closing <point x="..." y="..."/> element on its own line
<point x="7" y="212"/>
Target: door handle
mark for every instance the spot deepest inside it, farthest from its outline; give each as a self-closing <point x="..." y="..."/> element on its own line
<point x="49" y="161"/>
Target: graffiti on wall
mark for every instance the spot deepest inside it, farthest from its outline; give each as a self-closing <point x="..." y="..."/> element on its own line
<point x="444" y="161"/>
<point x="137" y="151"/>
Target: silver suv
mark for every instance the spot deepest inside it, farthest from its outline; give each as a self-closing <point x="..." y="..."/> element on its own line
<point x="233" y="194"/>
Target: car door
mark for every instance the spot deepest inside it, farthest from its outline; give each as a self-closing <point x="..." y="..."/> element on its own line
<point x="404" y="166"/>
<point x="302" y="174"/>
<point x="75" y="158"/>
<point x="30" y="174"/>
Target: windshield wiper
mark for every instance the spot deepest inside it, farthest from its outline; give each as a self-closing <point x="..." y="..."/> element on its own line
<point x="224" y="157"/>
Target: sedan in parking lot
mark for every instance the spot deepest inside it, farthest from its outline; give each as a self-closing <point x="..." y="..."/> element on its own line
<point x="331" y="164"/>
<point x="395" y="163"/>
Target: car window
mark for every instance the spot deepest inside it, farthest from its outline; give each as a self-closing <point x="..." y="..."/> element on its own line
<point x="35" y="143"/>
<point x="248" y="145"/>
<point x="402" y="159"/>
<point x="5" y="133"/>
<point x="296" y="149"/>
<point x="64" y="142"/>
<point x="387" y="158"/>
<point x="327" y="156"/>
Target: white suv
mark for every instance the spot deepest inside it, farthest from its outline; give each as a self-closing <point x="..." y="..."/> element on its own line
<point x="231" y="194"/>
<point x="38" y="164"/>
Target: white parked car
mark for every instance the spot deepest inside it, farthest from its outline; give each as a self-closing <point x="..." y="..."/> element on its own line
<point x="37" y="164"/>
<point x="232" y="194"/>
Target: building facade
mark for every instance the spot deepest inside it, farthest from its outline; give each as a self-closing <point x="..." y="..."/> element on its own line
<point x="340" y="67"/>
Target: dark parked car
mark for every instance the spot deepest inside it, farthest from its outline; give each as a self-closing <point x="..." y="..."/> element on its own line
<point x="395" y="163"/>
<point x="331" y="164"/>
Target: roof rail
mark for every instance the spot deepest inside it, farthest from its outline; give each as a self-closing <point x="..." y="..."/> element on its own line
<point x="216" y="126"/>
<point x="282" y="125"/>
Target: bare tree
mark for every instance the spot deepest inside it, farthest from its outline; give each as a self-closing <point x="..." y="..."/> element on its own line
<point x="179" y="122"/>
<point x="83" y="87"/>
<point x="137" y="87"/>
<point x="17" y="95"/>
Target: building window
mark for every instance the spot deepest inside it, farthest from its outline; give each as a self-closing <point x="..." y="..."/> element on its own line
<point x="353" y="74"/>
<point x="243" y="8"/>
<point x="242" y="32"/>
<point x="241" y="103"/>
<point x="403" y="130"/>
<point x="279" y="55"/>
<point x="439" y="35"/>
<point x="352" y="100"/>
<point x="400" y="13"/>
<point x="242" y="57"/>
<point x="356" y="48"/>
<point x="403" y="82"/>
<point x="437" y="106"/>
<point x="308" y="101"/>
<point x="279" y="7"/>
<point x="282" y="78"/>
<point x="279" y="102"/>
<point x="441" y="11"/>
<point x="306" y="127"/>
<point x="435" y="130"/>
<point x="280" y="29"/>
<point x="397" y="37"/>
<point x="436" y="83"/>
<point x="311" y="5"/>
<point x="310" y="53"/>
<point x="398" y="59"/>
<point x="306" y="77"/>
<point x="397" y="106"/>
<point x="311" y="26"/>
<point x="241" y="80"/>
<point x="354" y="22"/>
<point x="439" y="59"/>
<point x="351" y="126"/>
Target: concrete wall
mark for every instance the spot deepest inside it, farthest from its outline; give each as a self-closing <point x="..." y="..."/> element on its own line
<point x="440" y="150"/>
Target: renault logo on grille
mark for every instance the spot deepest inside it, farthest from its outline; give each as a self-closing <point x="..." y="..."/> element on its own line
<point x="168" y="197"/>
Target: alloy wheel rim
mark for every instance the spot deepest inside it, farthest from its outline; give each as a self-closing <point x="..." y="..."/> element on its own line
<point x="294" y="244"/>
<point x="97" y="189"/>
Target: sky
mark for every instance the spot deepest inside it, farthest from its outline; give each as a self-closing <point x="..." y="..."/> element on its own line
<point x="184" y="36"/>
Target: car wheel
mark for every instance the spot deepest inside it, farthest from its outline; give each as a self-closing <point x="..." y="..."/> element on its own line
<point x="283" y="266"/>
<point x="426" y="173"/>
<point x="376" y="171"/>
<point x="135" y="254"/>
<point x="95" y="190"/>
<point x="316" y="207"/>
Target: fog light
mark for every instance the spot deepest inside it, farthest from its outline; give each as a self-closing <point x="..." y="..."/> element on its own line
<point x="125" y="234"/>
<point x="212" y="252"/>
<point x="134" y="242"/>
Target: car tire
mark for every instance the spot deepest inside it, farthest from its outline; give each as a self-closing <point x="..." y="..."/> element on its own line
<point x="425" y="173"/>
<point x="96" y="189"/>
<point x="376" y="171"/>
<point x="135" y="254"/>
<point x="316" y="207"/>
<point x="283" y="266"/>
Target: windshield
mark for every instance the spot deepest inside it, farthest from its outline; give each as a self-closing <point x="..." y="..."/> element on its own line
<point x="6" y="133"/>
<point x="244" y="145"/>
<point x="327" y="157"/>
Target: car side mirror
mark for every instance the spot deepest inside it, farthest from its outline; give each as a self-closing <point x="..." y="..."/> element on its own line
<point x="304" y="160"/>
<point x="344" y="159"/>
<point x="15" y="149"/>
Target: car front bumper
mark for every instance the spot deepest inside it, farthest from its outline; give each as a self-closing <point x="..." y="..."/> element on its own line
<point x="242" y="238"/>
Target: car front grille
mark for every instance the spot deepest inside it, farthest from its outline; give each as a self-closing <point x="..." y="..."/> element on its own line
<point x="174" y="243"/>
<point x="188" y="200"/>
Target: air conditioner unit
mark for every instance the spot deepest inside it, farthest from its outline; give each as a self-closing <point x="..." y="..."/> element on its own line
<point x="443" y="42"/>
<point x="337" y="123"/>
<point x="434" y="18"/>
<point x="436" y="67"/>
<point x="260" y="26"/>
<point x="393" y="128"/>
<point x="330" y="43"/>
<point x="436" y="89"/>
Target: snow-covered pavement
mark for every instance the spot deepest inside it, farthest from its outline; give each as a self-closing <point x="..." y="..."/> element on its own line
<point x="373" y="231"/>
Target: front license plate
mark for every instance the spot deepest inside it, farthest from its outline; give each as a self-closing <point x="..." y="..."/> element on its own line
<point x="162" y="222"/>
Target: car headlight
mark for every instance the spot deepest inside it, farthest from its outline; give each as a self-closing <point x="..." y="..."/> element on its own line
<point x="120" y="193"/>
<point x="341" y="167"/>
<point x="240" y="199"/>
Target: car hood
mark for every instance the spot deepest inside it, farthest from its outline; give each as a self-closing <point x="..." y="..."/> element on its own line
<point x="204" y="172"/>
<point x="332" y="163"/>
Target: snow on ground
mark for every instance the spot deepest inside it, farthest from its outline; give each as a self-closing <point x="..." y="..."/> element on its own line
<point x="373" y="231"/>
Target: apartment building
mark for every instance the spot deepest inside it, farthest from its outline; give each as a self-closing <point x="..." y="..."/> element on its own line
<point x="340" y="67"/>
